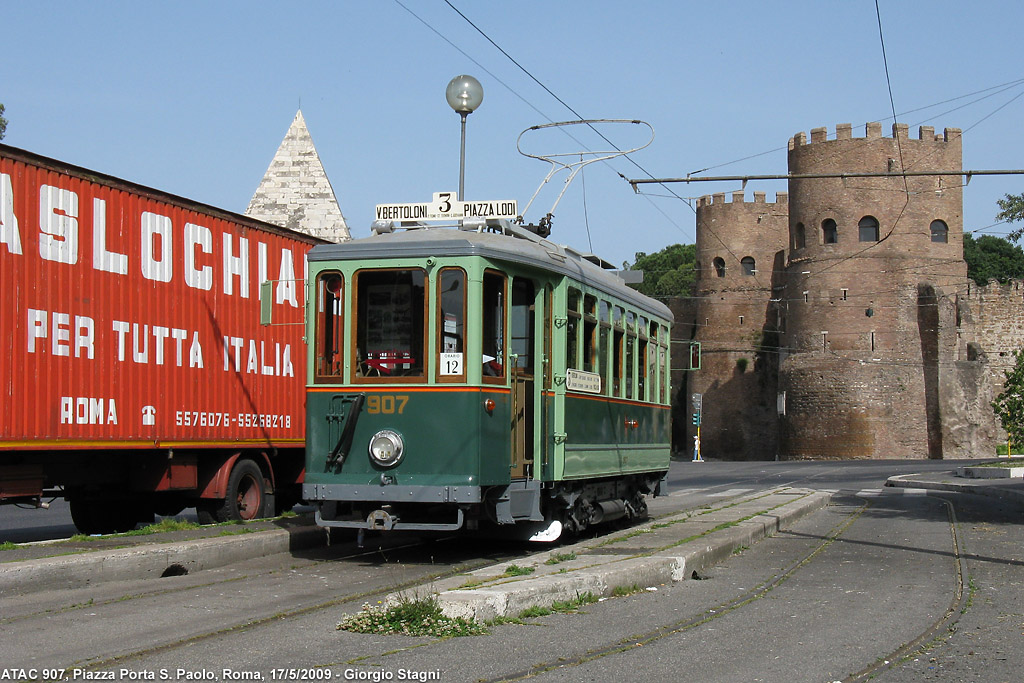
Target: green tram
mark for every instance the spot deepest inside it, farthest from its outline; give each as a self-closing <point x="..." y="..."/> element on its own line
<point x="479" y="376"/>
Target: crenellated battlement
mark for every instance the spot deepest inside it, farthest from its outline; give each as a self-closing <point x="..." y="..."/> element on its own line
<point x="1011" y="292"/>
<point x="873" y="130"/>
<point x="738" y="197"/>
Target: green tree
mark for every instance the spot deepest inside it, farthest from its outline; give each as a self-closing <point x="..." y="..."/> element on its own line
<point x="1009" y="405"/>
<point x="3" y="123"/>
<point x="669" y="272"/>
<point x="1012" y="206"/>
<point x="990" y="257"/>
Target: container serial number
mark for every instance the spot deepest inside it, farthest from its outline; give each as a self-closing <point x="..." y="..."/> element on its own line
<point x="202" y="418"/>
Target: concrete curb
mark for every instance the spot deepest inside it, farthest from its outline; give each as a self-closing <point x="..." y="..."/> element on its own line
<point x="1005" y="493"/>
<point x="150" y="561"/>
<point x="602" y="574"/>
<point x="1007" y="472"/>
<point x="721" y="544"/>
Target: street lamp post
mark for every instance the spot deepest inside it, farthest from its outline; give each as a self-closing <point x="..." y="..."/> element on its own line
<point x="464" y="95"/>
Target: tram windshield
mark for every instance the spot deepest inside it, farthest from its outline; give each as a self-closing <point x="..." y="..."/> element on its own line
<point x="390" y="323"/>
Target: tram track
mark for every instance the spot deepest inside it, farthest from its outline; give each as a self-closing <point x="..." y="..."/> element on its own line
<point x="691" y="622"/>
<point x="942" y="626"/>
<point x="709" y="615"/>
<point x="417" y="568"/>
<point x="935" y="631"/>
<point x="164" y="590"/>
<point x="410" y="553"/>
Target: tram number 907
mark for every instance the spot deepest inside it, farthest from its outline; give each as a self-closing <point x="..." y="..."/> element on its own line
<point x="387" y="404"/>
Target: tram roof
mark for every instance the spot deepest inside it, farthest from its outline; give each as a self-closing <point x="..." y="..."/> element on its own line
<point x="515" y="245"/>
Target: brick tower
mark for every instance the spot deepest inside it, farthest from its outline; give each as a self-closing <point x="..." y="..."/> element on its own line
<point x="869" y="313"/>
<point x="740" y="252"/>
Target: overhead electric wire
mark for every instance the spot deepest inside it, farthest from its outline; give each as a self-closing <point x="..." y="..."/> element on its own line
<point x="562" y="102"/>
<point x="1001" y="88"/>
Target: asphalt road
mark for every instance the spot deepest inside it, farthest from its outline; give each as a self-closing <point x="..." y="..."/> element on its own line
<point x="835" y="596"/>
<point x="697" y="482"/>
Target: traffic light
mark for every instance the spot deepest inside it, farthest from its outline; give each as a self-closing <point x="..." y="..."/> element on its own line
<point x="696" y="419"/>
<point x="694" y="356"/>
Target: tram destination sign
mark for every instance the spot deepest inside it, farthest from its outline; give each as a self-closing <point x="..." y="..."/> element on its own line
<point x="447" y="206"/>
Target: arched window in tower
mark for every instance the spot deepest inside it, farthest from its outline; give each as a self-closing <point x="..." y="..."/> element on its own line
<point x="720" y="266"/>
<point x="940" y="231"/>
<point x="829" y="231"/>
<point x="749" y="266"/>
<point x="868" y="227"/>
<point x="799" y="236"/>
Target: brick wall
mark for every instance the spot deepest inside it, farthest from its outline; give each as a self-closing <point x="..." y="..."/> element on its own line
<point x="732" y="322"/>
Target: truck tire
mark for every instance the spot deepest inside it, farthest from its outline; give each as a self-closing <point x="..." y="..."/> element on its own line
<point x="99" y="516"/>
<point x="245" y="498"/>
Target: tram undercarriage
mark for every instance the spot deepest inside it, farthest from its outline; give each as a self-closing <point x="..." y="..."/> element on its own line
<point x="530" y="510"/>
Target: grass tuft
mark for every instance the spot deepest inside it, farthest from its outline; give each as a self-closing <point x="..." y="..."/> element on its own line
<point x="558" y="558"/>
<point x="164" y="525"/>
<point x="411" y="617"/>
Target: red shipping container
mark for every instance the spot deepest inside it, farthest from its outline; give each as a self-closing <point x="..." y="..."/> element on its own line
<point x="131" y="318"/>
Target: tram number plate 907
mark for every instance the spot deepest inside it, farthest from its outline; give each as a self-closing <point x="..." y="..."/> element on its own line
<point x="388" y="404"/>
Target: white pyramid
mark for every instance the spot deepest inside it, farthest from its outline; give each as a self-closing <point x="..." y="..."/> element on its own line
<point x="295" y="192"/>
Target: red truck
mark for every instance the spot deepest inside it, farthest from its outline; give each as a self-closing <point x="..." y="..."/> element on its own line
<point x="137" y="379"/>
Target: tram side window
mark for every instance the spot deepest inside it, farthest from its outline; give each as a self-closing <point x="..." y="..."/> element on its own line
<point x="330" y="326"/>
<point x="604" y="346"/>
<point x="643" y="361"/>
<point x="572" y="329"/>
<point x="451" y="324"/>
<point x="390" y="323"/>
<point x="590" y="333"/>
<point x="493" y="321"/>
<point x="630" y="351"/>
<point x="649" y="357"/>
<point x="617" y="344"/>
<point x="521" y="325"/>
<point x="549" y="311"/>
<point x="663" y="368"/>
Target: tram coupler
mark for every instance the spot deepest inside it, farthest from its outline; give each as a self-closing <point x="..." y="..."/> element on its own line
<point x="381" y="520"/>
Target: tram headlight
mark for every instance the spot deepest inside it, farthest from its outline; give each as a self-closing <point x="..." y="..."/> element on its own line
<point x="386" y="448"/>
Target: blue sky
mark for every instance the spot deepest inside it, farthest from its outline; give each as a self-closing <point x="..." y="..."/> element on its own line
<point x="194" y="97"/>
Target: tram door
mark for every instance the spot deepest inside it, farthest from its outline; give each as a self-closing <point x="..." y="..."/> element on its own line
<point x="523" y="363"/>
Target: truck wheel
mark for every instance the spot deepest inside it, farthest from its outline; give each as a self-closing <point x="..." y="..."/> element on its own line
<point x="94" y="516"/>
<point x="244" y="500"/>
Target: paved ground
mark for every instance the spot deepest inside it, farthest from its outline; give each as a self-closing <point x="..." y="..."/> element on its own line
<point x="797" y="604"/>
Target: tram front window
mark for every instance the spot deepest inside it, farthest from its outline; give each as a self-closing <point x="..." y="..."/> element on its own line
<point x="390" y="323"/>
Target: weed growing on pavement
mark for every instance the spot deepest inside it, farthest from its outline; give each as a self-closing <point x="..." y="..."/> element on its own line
<point x="166" y="524"/>
<point x="7" y="545"/>
<point x="516" y="570"/>
<point x="972" y="590"/>
<point x="568" y="606"/>
<point x="623" y="591"/>
<point x="535" y="611"/>
<point x="411" y="617"/>
<point x="574" y="605"/>
<point x="558" y="558"/>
